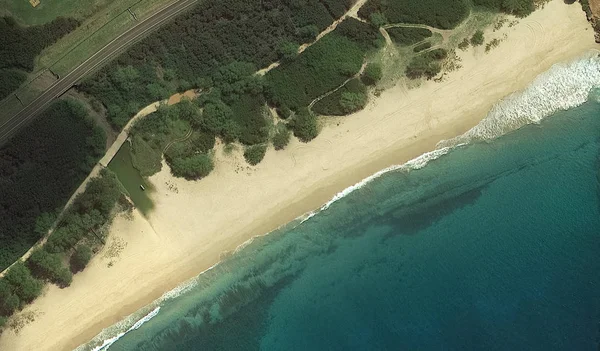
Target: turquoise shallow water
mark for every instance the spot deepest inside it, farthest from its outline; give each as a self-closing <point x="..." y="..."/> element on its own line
<point x="494" y="246"/>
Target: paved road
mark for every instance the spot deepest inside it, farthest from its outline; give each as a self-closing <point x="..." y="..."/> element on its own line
<point x="102" y="56"/>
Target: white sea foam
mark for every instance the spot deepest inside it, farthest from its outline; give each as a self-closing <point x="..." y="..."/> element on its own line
<point x="564" y="86"/>
<point x="413" y="164"/>
<point x="108" y="342"/>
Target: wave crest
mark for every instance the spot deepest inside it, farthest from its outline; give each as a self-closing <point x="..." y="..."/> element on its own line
<point x="564" y="86"/>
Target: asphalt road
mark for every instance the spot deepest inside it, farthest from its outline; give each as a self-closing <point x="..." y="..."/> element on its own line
<point x="102" y="56"/>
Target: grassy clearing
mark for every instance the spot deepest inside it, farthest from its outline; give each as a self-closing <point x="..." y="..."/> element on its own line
<point x="48" y="10"/>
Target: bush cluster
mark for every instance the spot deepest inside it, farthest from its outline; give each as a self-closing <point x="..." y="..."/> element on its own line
<point x="348" y="99"/>
<point x="426" y="65"/>
<point x="408" y="36"/>
<point x="444" y="14"/>
<point x="255" y="153"/>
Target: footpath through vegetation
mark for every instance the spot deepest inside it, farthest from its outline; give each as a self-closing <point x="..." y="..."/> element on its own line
<point x="217" y="49"/>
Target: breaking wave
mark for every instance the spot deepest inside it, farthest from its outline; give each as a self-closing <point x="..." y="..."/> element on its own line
<point x="564" y="86"/>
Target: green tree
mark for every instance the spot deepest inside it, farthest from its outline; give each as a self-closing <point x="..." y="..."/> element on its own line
<point x="372" y="74"/>
<point x="352" y="102"/>
<point x="378" y="19"/>
<point x="281" y="137"/>
<point x="304" y="125"/>
<point x="287" y="50"/>
<point x="49" y="266"/>
<point x="477" y="39"/>
<point x="9" y="302"/>
<point x="255" y="153"/>
<point x="43" y="223"/>
<point x="80" y="258"/>
<point x="193" y="167"/>
<point x="24" y="285"/>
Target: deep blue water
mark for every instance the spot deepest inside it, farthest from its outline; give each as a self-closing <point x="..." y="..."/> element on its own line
<point x="494" y="246"/>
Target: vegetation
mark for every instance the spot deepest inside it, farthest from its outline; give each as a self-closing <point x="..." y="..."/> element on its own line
<point x="194" y="46"/>
<point x="192" y="167"/>
<point x="372" y="74"/>
<point x="322" y="67"/>
<point x="281" y="138"/>
<point x="80" y="258"/>
<point x="350" y="98"/>
<point x="49" y="266"/>
<point x="445" y="14"/>
<point x="91" y="210"/>
<point x="408" y="36"/>
<point x="426" y="65"/>
<point x="39" y="170"/>
<point x="463" y="45"/>
<point x="477" y="39"/>
<point x="304" y="125"/>
<point x="519" y="8"/>
<point x="421" y="47"/>
<point x="255" y="153"/>
<point x="20" y="45"/>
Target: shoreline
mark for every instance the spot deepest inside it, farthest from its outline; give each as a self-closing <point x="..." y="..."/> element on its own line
<point x="176" y="242"/>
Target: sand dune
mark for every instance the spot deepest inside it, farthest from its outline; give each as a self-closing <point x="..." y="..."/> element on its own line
<point x="194" y="223"/>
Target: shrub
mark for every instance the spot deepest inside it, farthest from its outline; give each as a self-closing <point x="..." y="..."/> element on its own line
<point x="24" y="285"/>
<point x="372" y="74"/>
<point x="304" y="125"/>
<point x="287" y="51"/>
<point x="80" y="258"/>
<point x="477" y="39"/>
<point x="319" y="69"/>
<point x="255" y="153"/>
<point x="352" y="102"/>
<point x="463" y="45"/>
<point x="445" y="14"/>
<point x="49" y="266"/>
<point x="332" y="104"/>
<point x="281" y="138"/>
<point x="9" y="301"/>
<point x="426" y="64"/>
<point x="408" y="36"/>
<point x="422" y="46"/>
<point x="193" y="167"/>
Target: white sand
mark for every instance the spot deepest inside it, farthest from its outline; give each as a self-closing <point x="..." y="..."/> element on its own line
<point x="191" y="228"/>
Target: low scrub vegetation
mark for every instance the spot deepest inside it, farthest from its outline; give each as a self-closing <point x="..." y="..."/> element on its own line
<point x="426" y="65"/>
<point x="348" y="99"/>
<point x="408" y="36"/>
<point x="443" y="14"/>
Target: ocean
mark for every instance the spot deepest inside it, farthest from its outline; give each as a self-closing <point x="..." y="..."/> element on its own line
<point x="491" y="242"/>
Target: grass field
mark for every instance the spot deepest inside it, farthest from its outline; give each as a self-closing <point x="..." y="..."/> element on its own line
<point x="48" y="10"/>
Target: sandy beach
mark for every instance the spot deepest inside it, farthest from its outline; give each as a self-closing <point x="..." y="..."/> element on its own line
<point x="195" y="223"/>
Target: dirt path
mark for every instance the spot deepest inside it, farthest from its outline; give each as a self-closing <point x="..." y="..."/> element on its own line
<point x="352" y="12"/>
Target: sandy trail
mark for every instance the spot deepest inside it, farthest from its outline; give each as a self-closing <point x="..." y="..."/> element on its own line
<point x="194" y="223"/>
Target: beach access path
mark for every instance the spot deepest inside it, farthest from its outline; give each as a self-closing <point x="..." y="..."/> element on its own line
<point x="192" y="228"/>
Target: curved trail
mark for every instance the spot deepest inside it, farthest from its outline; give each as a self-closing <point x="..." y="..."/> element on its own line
<point x="170" y="11"/>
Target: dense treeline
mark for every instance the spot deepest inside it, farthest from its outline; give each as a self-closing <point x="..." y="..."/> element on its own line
<point x="70" y="242"/>
<point x="323" y="66"/>
<point x="189" y="50"/>
<point x="444" y="14"/>
<point x="408" y="36"/>
<point x="20" y="45"/>
<point x="350" y="98"/>
<point x="516" y="7"/>
<point x="39" y="170"/>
